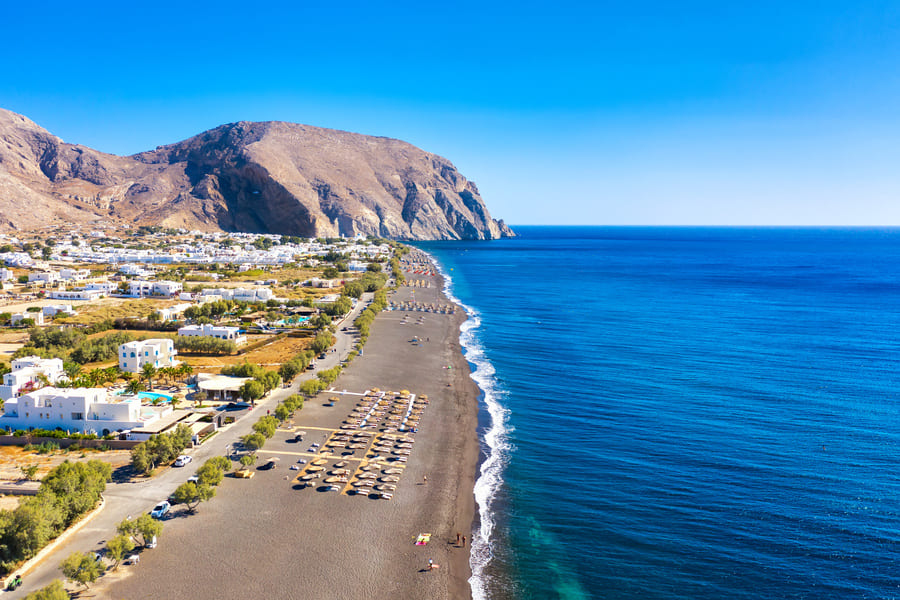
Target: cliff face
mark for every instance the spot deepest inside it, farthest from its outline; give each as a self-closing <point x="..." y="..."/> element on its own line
<point x="268" y="177"/>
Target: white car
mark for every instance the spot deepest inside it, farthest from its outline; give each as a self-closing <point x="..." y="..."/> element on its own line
<point x="160" y="510"/>
<point x="182" y="460"/>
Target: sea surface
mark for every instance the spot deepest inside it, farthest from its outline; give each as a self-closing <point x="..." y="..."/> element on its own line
<point x="685" y="413"/>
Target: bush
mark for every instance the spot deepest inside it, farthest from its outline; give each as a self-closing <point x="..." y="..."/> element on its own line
<point x="204" y="344"/>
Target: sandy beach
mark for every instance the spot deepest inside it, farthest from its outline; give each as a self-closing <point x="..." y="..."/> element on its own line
<point x="270" y="537"/>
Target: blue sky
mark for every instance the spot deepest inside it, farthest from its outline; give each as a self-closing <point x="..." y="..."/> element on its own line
<point x="768" y="113"/>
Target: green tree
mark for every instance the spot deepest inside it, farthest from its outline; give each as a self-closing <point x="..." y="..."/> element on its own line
<point x="289" y="370"/>
<point x="270" y="380"/>
<point x="282" y="412"/>
<point x="266" y="426"/>
<point x="322" y="342"/>
<point x="311" y="387"/>
<point x="30" y="471"/>
<point x="54" y="591"/>
<point x="192" y="494"/>
<point x="247" y="460"/>
<point x="77" y="486"/>
<point x="254" y="441"/>
<point x="142" y="530"/>
<point x="210" y="474"/>
<point x="134" y="387"/>
<point x="81" y="568"/>
<point x="252" y="391"/>
<point x="118" y="548"/>
<point x="148" y="372"/>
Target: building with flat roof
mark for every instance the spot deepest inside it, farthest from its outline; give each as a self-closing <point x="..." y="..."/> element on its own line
<point x="28" y="373"/>
<point x="157" y="352"/>
<point x="217" y="331"/>
<point x="88" y="410"/>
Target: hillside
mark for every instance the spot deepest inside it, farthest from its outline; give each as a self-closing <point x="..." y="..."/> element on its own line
<point x="270" y="177"/>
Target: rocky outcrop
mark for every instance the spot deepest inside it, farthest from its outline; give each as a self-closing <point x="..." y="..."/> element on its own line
<point x="271" y="177"/>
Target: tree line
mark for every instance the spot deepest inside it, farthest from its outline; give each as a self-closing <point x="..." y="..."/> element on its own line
<point x="66" y="493"/>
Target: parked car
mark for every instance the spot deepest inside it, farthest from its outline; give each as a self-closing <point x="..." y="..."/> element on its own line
<point x="182" y="460"/>
<point x="160" y="510"/>
<point x="193" y="479"/>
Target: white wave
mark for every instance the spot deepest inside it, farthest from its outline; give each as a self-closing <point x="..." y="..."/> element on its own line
<point x="495" y="442"/>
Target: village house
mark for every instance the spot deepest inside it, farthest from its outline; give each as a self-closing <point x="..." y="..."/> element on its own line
<point x="217" y="331"/>
<point x="88" y="410"/>
<point x="157" y="352"/>
<point x="27" y="374"/>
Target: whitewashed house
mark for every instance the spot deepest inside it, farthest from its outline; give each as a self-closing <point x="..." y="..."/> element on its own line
<point x="88" y="410"/>
<point x="220" y="332"/>
<point x="75" y="294"/>
<point x="17" y="318"/>
<point x="43" y="277"/>
<point x="54" y="309"/>
<point x="74" y="274"/>
<point x="157" y="352"/>
<point x="167" y="288"/>
<point x="27" y="372"/>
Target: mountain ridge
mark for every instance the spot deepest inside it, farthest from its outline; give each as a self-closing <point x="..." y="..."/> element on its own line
<point x="261" y="177"/>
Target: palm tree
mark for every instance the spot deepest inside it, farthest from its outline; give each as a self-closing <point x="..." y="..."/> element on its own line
<point x="185" y="370"/>
<point x="148" y="371"/>
<point x="134" y="386"/>
<point x="72" y="369"/>
<point x="96" y="377"/>
<point x="111" y="374"/>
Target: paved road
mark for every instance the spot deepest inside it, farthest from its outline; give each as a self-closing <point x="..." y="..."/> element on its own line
<point x="134" y="498"/>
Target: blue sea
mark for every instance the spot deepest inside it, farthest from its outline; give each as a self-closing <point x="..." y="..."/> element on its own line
<point x="685" y="413"/>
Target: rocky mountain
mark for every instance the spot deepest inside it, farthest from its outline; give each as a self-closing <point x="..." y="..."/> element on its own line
<point x="270" y="177"/>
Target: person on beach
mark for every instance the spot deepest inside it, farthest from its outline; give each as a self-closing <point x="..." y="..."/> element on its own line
<point x="430" y="564"/>
<point x="464" y="541"/>
<point x="425" y="479"/>
<point x="457" y="538"/>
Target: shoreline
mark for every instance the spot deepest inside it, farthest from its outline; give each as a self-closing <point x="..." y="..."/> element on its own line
<point x="266" y="537"/>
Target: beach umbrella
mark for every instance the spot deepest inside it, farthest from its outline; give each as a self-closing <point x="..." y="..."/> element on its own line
<point x="315" y="469"/>
<point x="273" y="458"/>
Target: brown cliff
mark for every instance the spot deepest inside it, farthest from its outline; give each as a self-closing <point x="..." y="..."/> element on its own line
<point x="270" y="177"/>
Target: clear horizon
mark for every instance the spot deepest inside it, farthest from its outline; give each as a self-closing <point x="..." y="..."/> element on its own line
<point x="646" y="114"/>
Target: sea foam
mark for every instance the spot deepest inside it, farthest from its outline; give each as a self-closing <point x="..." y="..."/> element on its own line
<point x="494" y="442"/>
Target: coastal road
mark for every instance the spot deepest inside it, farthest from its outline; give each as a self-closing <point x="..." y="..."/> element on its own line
<point x="136" y="497"/>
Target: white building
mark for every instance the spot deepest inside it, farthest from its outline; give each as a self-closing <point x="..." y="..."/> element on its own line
<point x="173" y="312"/>
<point x="89" y="410"/>
<point x="140" y="287"/>
<point x="221" y="332"/>
<point x="166" y="288"/>
<point x="135" y="270"/>
<point x="6" y="274"/>
<point x="53" y="309"/>
<point x="38" y="318"/>
<point x="75" y="294"/>
<point x="26" y="374"/>
<point x="260" y="294"/>
<point x="157" y="352"/>
<point x="44" y="277"/>
<point x="106" y="287"/>
<point x="74" y="274"/>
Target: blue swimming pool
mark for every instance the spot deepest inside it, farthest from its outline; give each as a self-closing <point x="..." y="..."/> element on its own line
<point x="151" y="396"/>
